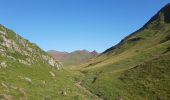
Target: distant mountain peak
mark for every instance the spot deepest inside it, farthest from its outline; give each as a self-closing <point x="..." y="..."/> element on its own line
<point x="94" y="52"/>
<point x="72" y="58"/>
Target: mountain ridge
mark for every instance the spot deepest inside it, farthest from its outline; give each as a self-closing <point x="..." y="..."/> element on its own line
<point x="137" y="68"/>
<point x="74" y="57"/>
<point x="159" y="16"/>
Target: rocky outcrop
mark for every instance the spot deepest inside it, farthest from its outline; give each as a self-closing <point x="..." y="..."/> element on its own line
<point x="13" y="48"/>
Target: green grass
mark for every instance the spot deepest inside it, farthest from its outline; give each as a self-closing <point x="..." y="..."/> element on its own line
<point x="138" y="68"/>
<point x="15" y="77"/>
<point x="37" y="90"/>
<point x="133" y="69"/>
<point x="150" y="79"/>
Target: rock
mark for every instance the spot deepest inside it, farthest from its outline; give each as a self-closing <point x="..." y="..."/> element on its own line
<point x="11" y="58"/>
<point x="16" y="47"/>
<point x="51" y="62"/>
<point x="2" y="50"/>
<point x="3" y="65"/>
<point x="2" y="32"/>
<point x="64" y="93"/>
<point x="26" y="53"/>
<point x="30" y="49"/>
<point x="26" y="79"/>
<point x="6" y="42"/>
<point x="24" y="62"/>
<point x="44" y="57"/>
<point x="52" y="74"/>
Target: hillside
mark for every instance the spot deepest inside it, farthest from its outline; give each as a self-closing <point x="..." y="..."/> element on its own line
<point x="137" y="68"/>
<point x="73" y="58"/>
<point x="29" y="73"/>
<point x="57" y="54"/>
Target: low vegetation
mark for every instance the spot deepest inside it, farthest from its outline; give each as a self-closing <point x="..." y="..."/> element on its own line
<point x="135" y="69"/>
<point x="138" y="68"/>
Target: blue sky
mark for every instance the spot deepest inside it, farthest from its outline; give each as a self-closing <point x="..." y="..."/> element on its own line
<point x="68" y="25"/>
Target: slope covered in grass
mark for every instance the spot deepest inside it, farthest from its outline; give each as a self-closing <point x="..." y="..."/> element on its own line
<point x="138" y="68"/>
<point x="29" y="73"/>
<point x="149" y="79"/>
<point x="135" y="69"/>
<point x="16" y="84"/>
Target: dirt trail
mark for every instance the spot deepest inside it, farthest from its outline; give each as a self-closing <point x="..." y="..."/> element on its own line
<point x="78" y="84"/>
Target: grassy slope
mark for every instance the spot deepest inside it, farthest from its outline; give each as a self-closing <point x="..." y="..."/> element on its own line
<point x="44" y="86"/>
<point x="137" y="69"/>
<point x="112" y="75"/>
<point x="37" y="90"/>
<point x="105" y="81"/>
<point x="149" y="80"/>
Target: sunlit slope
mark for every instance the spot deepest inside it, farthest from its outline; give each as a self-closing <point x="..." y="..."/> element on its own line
<point x="28" y="73"/>
<point x="111" y="74"/>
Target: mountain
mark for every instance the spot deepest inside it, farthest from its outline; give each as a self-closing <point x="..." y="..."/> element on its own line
<point x="15" y="49"/>
<point x="29" y="73"/>
<point x="73" y="58"/>
<point x="57" y="54"/>
<point x="137" y="68"/>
